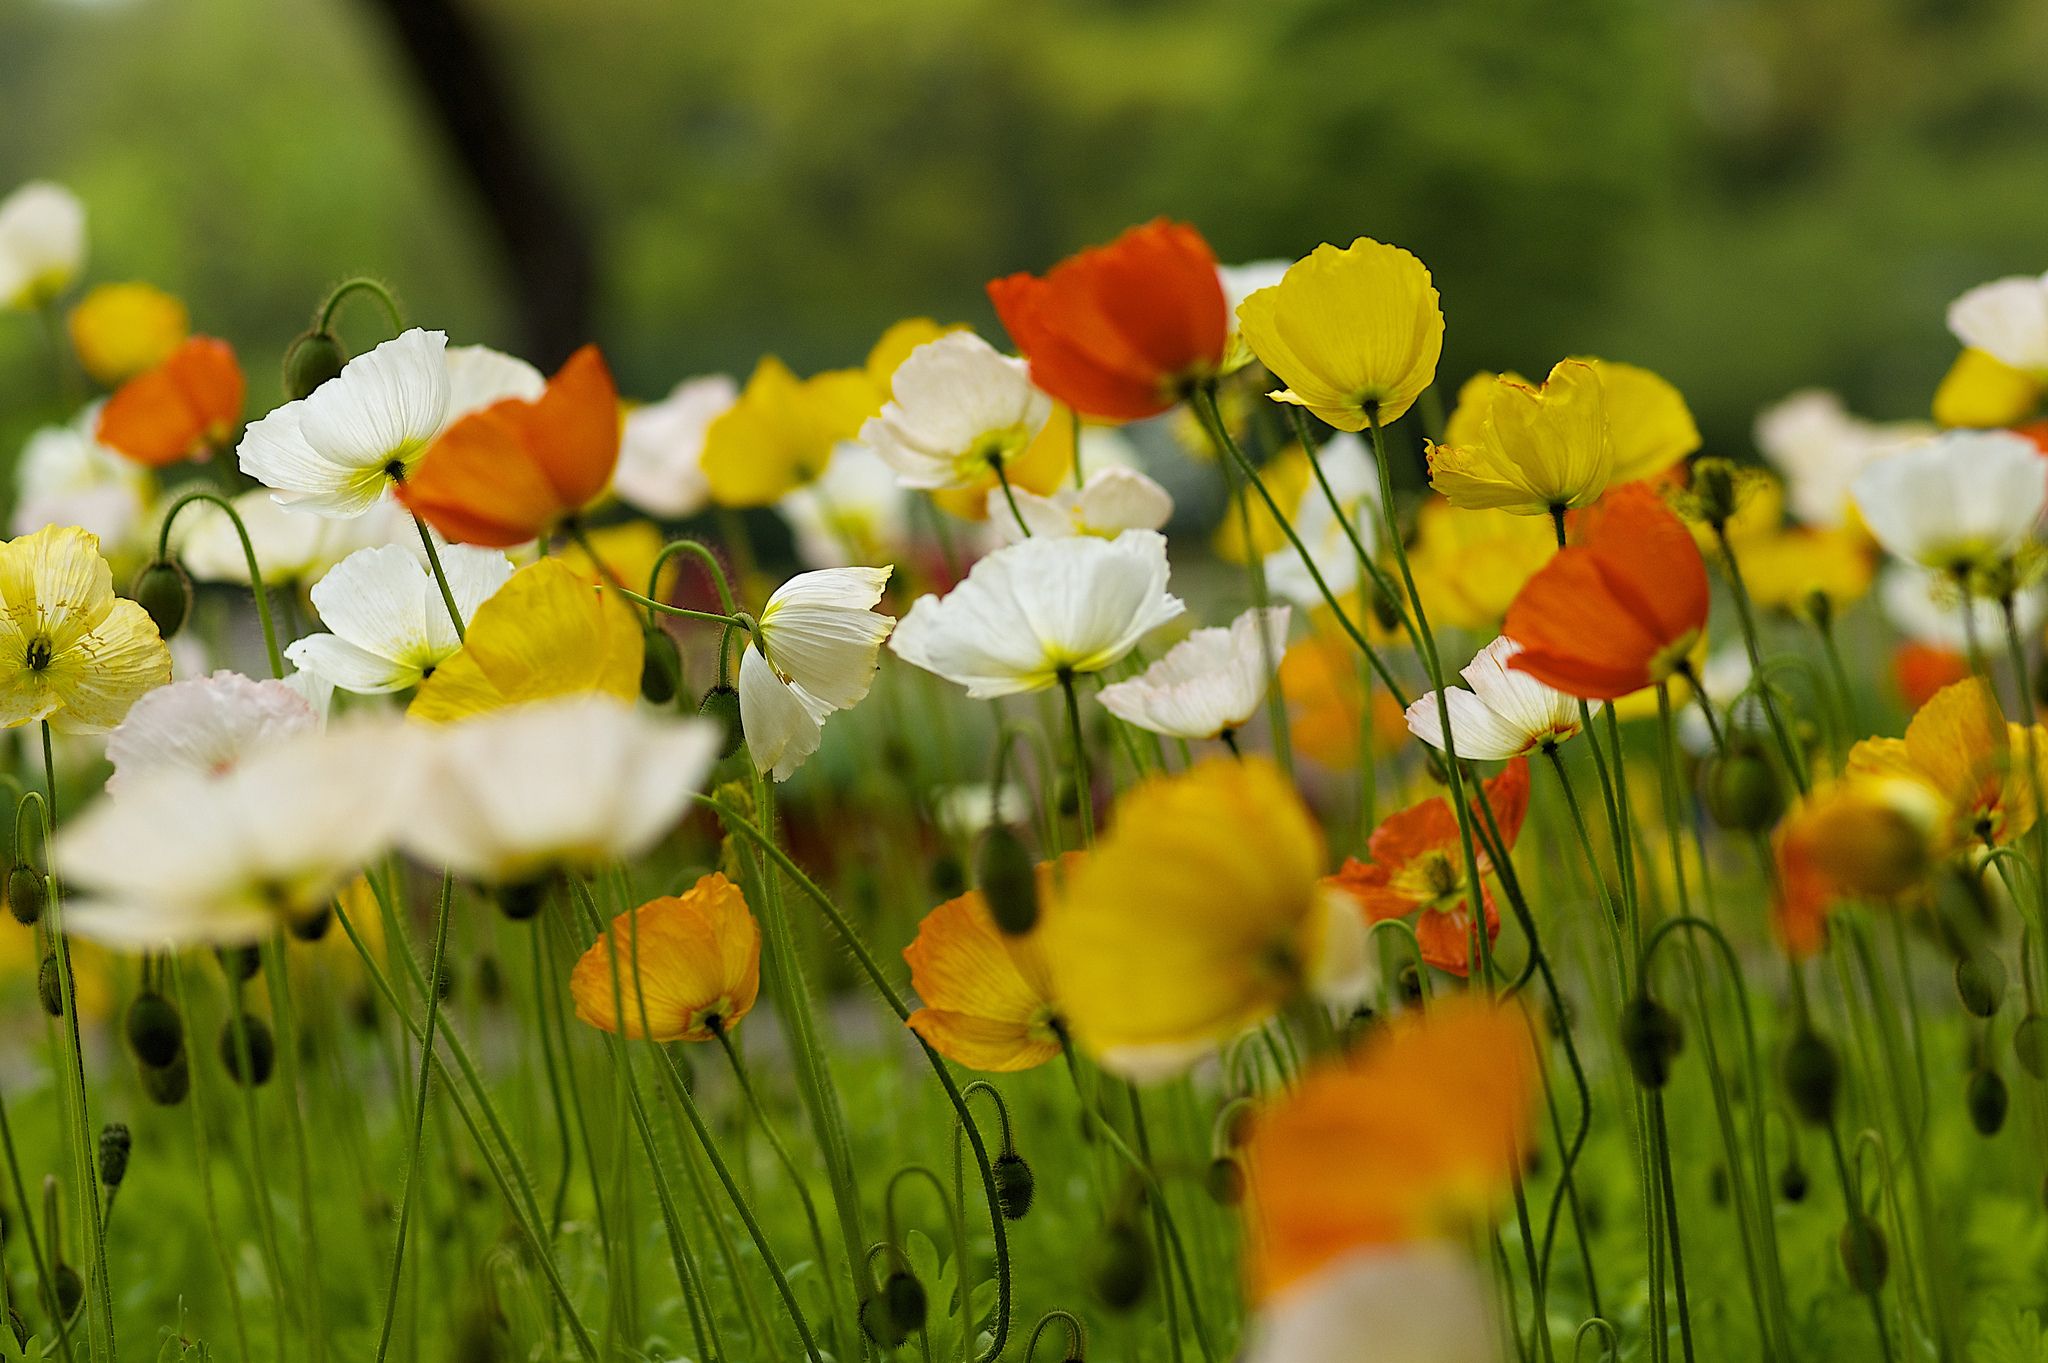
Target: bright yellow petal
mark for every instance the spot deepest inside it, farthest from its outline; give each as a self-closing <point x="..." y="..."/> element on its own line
<point x="1981" y="390"/>
<point x="1647" y="419"/>
<point x="547" y="632"/>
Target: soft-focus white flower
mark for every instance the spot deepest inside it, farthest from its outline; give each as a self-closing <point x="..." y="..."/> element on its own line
<point x="1209" y="683"/>
<point x="187" y="858"/>
<point x="1928" y="608"/>
<point x="815" y="650"/>
<point x="1028" y="614"/>
<point x="1723" y="677"/>
<point x="1421" y="1302"/>
<point x="206" y="726"/>
<point x="568" y="784"/>
<point x="1819" y="447"/>
<point x="389" y="625"/>
<point x="42" y="243"/>
<point x="479" y="376"/>
<point x="1356" y="484"/>
<point x="1507" y="713"/>
<point x="853" y="513"/>
<point x="1112" y="501"/>
<point x="291" y="546"/>
<point x="661" y="446"/>
<point x="66" y="477"/>
<point x="2007" y="319"/>
<point x="1961" y="502"/>
<point x="1239" y="283"/>
<point x="962" y="811"/>
<point x="960" y="406"/>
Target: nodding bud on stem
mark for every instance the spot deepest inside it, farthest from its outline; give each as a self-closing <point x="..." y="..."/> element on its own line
<point x="1741" y="789"/>
<point x="311" y="927"/>
<point x="1651" y="1037"/>
<point x="115" y="1144"/>
<point x="1813" y="1076"/>
<point x="1007" y="879"/>
<point x="522" y="899"/>
<point x="1865" y="1256"/>
<point x="1016" y="1185"/>
<point x="314" y="356"/>
<point x="722" y="703"/>
<point x="69" y="1289"/>
<point x="155" y="1031"/>
<point x="661" y="668"/>
<point x="878" y="1325"/>
<point x="1793" y="1183"/>
<point x="1988" y="1099"/>
<point x="239" y="963"/>
<point x="1224" y="1179"/>
<point x="2030" y="1044"/>
<point x="167" y="1085"/>
<point x="1121" y="1271"/>
<point x="165" y="594"/>
<point x="1980" y="983"/>
<point x="28" y="893"/>
<point x="903" y="1297"/>
<point x="50" y="987"/>
<point x="248" y="1035"/>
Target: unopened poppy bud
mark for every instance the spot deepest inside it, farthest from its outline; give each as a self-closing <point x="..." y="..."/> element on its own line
<point x="115" y="1143"/>
<point x="251" y="1035"/>
<point x="1813" y="1076"/>
<point x="314" y="356"/>
<point x="949" y="878"/>
<point x="167" y="1085"/>
<point x="1410" y="983"/>
<point x="1225" y="1181"/>
<point x="878" y="1325"/>
<point x="490" y="980"/>
<point x="1121" y="1272"/>
<point x="903" y="1297"/>
<point x="1865" y="1256"/>
<point x="49" y="987"/>
<point x="311" y="927"/>
<point x="2030" y="1044"/>
<point x="522" y="899"/>
<point x="1016" y="1185"/>
<point x="1651" y="1037"/>
<point x="1988" y="1100"/>
<point x="69" y="1289"/>
<point x="1793" y="1183"/>
<point x="1980" y="983"/>
<point x="1007" y="879"/>
<point x="239" y="963"/>
<point x="1741" y="790"/>
<point x="1714" y="490"/>
<point x="661" y="667"/>
<point x="722" y="703"/>
<point x="28" y="894"/>
<point x="165" y="595"/>
<point x="155" y="1031"/>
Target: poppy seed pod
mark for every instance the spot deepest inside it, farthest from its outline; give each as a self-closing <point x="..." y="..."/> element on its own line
<point x="1980" y="983"/>
<point x="1008" y="880"/>
<point x="115" y="1144"/>
<point x="155" y="1031"/>
<point x="2030" y="1044"/>
<point x="722" y="703"/>
<point x="1016" y="1185"/>
<point x="1813" y="1076"/>
<point x="1651" y="1037"/>
<point x="49" y="988"/>
<point x="28" y="894"/>
<point x="1120" y="1271"/>
<point x="1865" y="1256"/>
<point x="1741" y="790"/>
<point x="165" y="593"/>
<point x="314" y="356"/>
<point x="661" y="668"/>
<point x="251" y="1035"/>
<point x="167" y="1085"/>
<point x="903" y="1297"/>
<point x="1988" y="1100"/>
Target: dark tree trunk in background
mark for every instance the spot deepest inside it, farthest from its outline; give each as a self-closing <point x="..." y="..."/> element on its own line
<point x="546" y="244"/>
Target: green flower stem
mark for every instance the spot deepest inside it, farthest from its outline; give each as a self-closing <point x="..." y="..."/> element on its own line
<point x="1745" y="616"/>
<point x="1255" y="579"/>
<point x="2022" y="679"/>
<point x="360" y="284"/>
<point x="556" y="1103"/>
<point x="1366" y="563"/>
<point x="440" y="579"/>
<point x="256" y="587"/>
<point x="1084" y="781"/>
<point x="1077" y="1334"/>
<point x="855" y="944"/>
<point x="1003" y="481"/>
<point x="275" y="976"/>
<point x="40" y="1260"/>
<point x="663" y="608"/>
<point x="954" y="1226"/>
<point x="713" y="569"/>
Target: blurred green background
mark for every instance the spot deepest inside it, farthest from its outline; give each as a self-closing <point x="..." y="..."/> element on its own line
<point x="1748" y="195"/>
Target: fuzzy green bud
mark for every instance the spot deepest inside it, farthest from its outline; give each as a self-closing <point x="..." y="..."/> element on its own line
<point x="1813" y="1076"/>
<point x="2030" y="1044"/>
<point x="903" y="1297"/>
<point x="28" y="893"/>
<point x="1741" y="790"/>
<point x="156" y="1033"/>
<point x="69" y="1289"/>
<point x="1016" y="1185"/>
<point x="661" y="667"/>
<point x="1713" y="490"/>
<point x="167" y="1085"/>
<point x="314" y="356"/>
<point x="239" y="964"/>
<point x="1224" y="1178"/>
<point x="521" y="900"/>
<point x="1007" y="879"/>
<point x="1988" y="1099"/>
<point x="722" y="703"/>
<point x="1865" y="1256"/>
<point x="50" y="987"/>
<point x="1980" y="983"/>
<point x="1651" y="1037"/>
<point x="248" y="1035"/>
<point x="878" y="1325"/>
<point x="165" y="594"/>
<point x="1120" y="1267"/>
<point x="115" y="1145"/>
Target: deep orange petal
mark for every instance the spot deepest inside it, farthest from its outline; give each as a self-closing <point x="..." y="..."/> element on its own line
<point x="477" y="484"/>
<point x="176" y="409"/>
<point x="572" y="430"/>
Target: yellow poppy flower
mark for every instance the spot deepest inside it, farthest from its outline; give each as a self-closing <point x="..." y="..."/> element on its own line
<point x="1287" y="476"/>
<point x="1199" y="915"/>
<point x="1041" y="467"/>
<point x="689" y="966"/>
<point x="121" y="330"/>
<point x="71" y="651"/>
<point x="627" y="551"/>
<point x="1470" y="564"/>
<point x="1538" y="448"/>
<point x="547" y="632"/>
<point x="779" y="435"/>
<point x="988" y="1000"/>
<point x="894" y="347"/>
<point x="1785" y="570"/>
<point x="1981" y="391"/>
<point x="1952" y="748"/>
<point x="1352" y="332"/>
<point x="1647" y="420"/>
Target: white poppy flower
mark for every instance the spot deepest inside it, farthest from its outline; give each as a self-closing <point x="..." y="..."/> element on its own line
<point x="962" y="811"/>
<point x="479" y="376"/>
<point x="291" y="546"/>
<point x="1963" y="501"/>
<point x="66" y="477"/>
<point x="568" y="784"/>
<point x="1209" y="683"/>
<point x="1819" y="447"/>
<point x="959" y="406"/>
<point x="2007" y="319"/>
<point x="186" y="858"/>
<point x="853" y="513"/>
<point x="389" y="624"/>
<point x="1928" y="608"/>
<point x="1421" y="1302"/>
<point x="1356" y="482"/>
<point x="1027" y="614"/>
<point x="661" y="447"/>
<point x="42" y="243"/>
<point x="1507" y="713"/>
<point x="206" y="726"/>
<point x="1112" y="501"/>
<point x="816" y="648"/>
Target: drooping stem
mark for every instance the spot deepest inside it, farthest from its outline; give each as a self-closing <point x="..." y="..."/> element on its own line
<point x="256" y="587"/>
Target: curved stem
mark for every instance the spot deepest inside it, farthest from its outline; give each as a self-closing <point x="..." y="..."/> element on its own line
<point x="360" y="284"/>
<point x="163" y="547"/>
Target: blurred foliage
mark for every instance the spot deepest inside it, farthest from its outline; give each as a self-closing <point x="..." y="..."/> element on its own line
<point x="1749" y="195"/>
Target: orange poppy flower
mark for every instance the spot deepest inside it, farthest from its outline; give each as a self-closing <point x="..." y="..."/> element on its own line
<point x="1417" y="867"/>
<point x="1919" y="670"/>
<point x="1869" y="837"/>
<point x="1118" y="332"/>
<point x="987" y="995"/>
<point x="1618" y="611"/>
<point x="1422" y="1127"/>
<point x="186" y="406"/>
<point x="515" y="470"/>
<point x="698" y="959"/>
